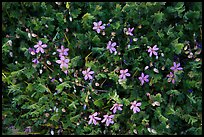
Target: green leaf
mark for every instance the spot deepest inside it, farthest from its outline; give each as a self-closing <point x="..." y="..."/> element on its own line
<point x="178" y="47"/>
<point x="55" y="117"/>
<point x="158" y="17"/>
<point x="61" y="86"/>
<point x="67" y="5"/>
<point x="99" y="103"/>
<point x="96" y="39"/>
<point x="173" y="92"/>
<point x="74" y="119"/>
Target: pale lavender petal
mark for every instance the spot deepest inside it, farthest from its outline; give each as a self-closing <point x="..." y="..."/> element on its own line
<point x="150" y="54"/>
<point x="95" y="27"/>
<point x="131" y="107"/>
<point x="36" y="46"/>
<point x="103" y="120"/>
<point x="113" y="44"/>
<point x="113" y="49"/>
<point x="97" y="118"/>
<point x="174" y="64"/>
<point x="132" y="29"/>
<point x="95" y="23"/>
<point x="126" y="70"/>
<point x="91" y="72"/>
<point x="37" y="50"/>
<point x="66" y="60"/>
<point x="59" y="50"/>
<point x="41" y="50"/>
<point x="84" y="72"/>
<point x="44" y="45"/>
<point x="114" y="110"/>
<point x="107" y="122"/>
<point x="59" y="61"/>
<point x="98" y="30"/>
<point x="102" y="27"/>
<point x="172" y="68"/>
<point x="90" y="121"/>
<point x="99" y="23"/>
<point x="155" y="53"/>
<point x="146" y="76"/>
<point x="127" y="74"/>
<point x="88" y="69"/>
<point x="90" y="77"/>
<point x="40" y="42"/>
<point x="173" y="81"/>
<point x="119" y="108"/>
<point x="178" y="65"/>
<point x="94" y="121"/>
<point x="142" y="82"/>
<point x="86" y="77"/>
<point x="121" y="71"/>
<point x="180" y="68"/>
<point x="138" y="104"/>
<point x="95" y="114"/>
<point x="150" y="49"/>
<point x="111" y="116"/>
<point x="62" y="58"/>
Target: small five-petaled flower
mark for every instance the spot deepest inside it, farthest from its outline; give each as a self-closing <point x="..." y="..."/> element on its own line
<point x="98" y="27"/>
<point x="93" y="118"/>
<point x="129" y="31"/>
<point x="63" y="62"/>
<point x="39" y="47"/>
<point x="153" y="50"/>
<point x="143" y="78"/>
<point x="108" y="119"/>
<point x="124" y="73"/>
<point x="87" y="74"/>
<point x="176" y="67"/>
<point x="116" y="107"/>
<point x="135" y="106"/>
<point x="63" y="51"/>
<point x="111" y="46"/>
<point x="171" y="77"/>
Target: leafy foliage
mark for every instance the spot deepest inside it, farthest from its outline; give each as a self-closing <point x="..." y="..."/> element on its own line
<point x="42" y="98"/>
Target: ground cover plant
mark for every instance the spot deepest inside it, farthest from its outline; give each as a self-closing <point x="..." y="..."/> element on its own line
<point x="102" y="68"/>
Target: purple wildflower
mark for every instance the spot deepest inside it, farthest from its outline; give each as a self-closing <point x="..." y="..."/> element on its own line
<point x="111" y="46"/>
<point x="40" y="47"/>
<point x="98" y="27"/>
<point x="63" y="62"/>
<point x="124" y="73"/>
<point x="32" y="51"/>
<point x="93" y="118"/>
<point x="135" y="106"/>
<point x="108" y="119"/>
<point x="153" y="50"/>
<point x="171" y="77"/>
<point x="116" y="107"/>
<point x="176" y="67"/>
<point x="130" y="40"/>
<point x="63" y="51"/>
<point x="129" y="31"/>
<point x="87" y="74"/>
<point x="35" y="61"/>
<point x="143" y="78"/>
<point x="190" y="90"/>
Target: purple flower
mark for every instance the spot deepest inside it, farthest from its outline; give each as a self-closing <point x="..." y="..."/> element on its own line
<point x="190" y="90"/>
<point x="93" y="118"/>
<point x="87" y="74"/>
<point x="135" y="107"/>
<point x="124" y="73"/>
<point x="98" y="27"/>
<point x="130" y="40"/>
<point x="32" y="51"/>
<point x="40" y="47"/>
<point x="171" y="77"/>
<point x="153" y="50"/>
<point x="129" y="31"/>
<point x="108" y="119"/>
<point x="63" y="62"/>
<point x="35" y="61"/>
<point x="176" y="67"/>
<point x="111" y="46"/>
<point x="63" y="51"/>
<point x="143" y="78"/>
<point x="116" y="107"/>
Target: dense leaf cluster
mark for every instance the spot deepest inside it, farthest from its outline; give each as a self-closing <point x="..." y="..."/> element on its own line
<point x="42" y="99"/>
